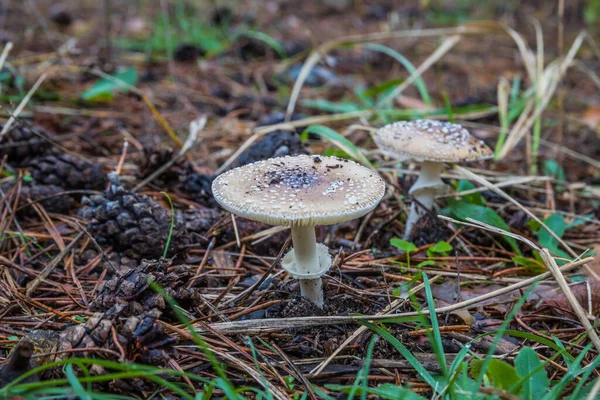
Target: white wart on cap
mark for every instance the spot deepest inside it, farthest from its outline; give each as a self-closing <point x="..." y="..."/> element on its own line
<point x="431" y="140"/>
<point x="299" y="190"/>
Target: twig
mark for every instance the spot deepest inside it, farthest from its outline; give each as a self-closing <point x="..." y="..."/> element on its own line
<point x="482" y="225"/>
<point x="33" y="285"/>
<point x="564" y="286"/>
<point x="274" y="324"/>
<point x="393" y="306"/>
<point x="482" y="181"/>
<point x="446" y="45"/>
<point x="195" y="127"/>
<point x="248" y="292"/>
<point x="21" y="105"/>
<point x="5" y="52"/>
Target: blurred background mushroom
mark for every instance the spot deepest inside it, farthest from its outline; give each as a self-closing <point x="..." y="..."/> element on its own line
<point x="431" y="143"/>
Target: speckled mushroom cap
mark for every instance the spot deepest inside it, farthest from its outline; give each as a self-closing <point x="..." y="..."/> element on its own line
<point x="299" y="190"/>
<point x="431" y="140"/>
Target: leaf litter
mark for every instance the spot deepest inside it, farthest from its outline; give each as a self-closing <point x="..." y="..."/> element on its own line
<point x="92" y="239"/>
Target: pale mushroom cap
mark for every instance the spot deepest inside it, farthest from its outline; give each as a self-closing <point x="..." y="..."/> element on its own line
<point x="299" y="190"/>
<point x="431" y="140"/>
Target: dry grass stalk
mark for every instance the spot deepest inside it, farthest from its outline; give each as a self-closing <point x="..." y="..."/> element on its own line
<point x="276" y="324"/>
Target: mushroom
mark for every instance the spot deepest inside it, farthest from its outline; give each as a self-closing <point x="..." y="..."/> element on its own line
<point x="301" y="192"/>
<point x="432" y="143"/>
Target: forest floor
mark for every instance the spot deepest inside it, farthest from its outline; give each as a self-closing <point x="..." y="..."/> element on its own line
<point x="131" y="282"/>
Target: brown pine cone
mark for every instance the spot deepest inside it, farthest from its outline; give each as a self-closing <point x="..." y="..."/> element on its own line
<point x="140" y="336"/>
<point x="54" y="201"/>
<point x="132" y="287"/>
<point x="132" y="223"/>
<point x="21" y="144"/>
<point x="70" y="172"/>
<point x="156" y="157"/>
<point x="50" y="197"/>
<point x="275" y="144"/>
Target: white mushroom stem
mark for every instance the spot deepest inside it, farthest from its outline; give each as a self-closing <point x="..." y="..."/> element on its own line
<point x="307" y="262"/>
<point x="424" y="191"/>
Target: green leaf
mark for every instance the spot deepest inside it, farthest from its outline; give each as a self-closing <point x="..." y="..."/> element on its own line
<point x="105" y="88"/>
<point x="403" y="245"/>
<point x="531" y="370"/>
<point x="425" y="263"/>
<point x="556" y="223"/>
<point x="501" y="374"/>
<point x="591" y="12"/>
<point x="440" y="247"/>
<point x="339" y="141"/>
<point x="463" y="210"/>
<point x="532" y="266"/>
<point x="474" y="198"/>
<point x="553" y="169"/>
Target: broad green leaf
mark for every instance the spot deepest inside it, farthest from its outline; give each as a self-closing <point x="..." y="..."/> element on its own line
<point x="463" y="210"/>
<point x="474" y="198"/>
<point x="553" y="169"/>
<point x="465" y="384"/>
<point x="501" y="374"/>
<point x="556" y="223"/>
<point x="105" y="88"/>
<point x="532" y="265"/>
<point x="339" y="141"/>
<point x="403" y="245"/>
<point x="530" y="369"/>
<point x="440" y="247"/>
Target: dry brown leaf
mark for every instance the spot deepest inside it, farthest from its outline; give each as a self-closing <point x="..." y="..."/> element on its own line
<point x="582" y="291"/>
<point x="591" y="116"/>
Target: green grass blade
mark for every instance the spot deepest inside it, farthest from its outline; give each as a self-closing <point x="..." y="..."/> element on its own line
<point x="339" y="141"/>
<point x="435" y="328"/>
<point x="75" y="384"/>
<point x="263" y="37"/>
<point x="166" y="249"/>
<point x="267" y="394"/>
<point x="419" y="82"/>
<point x="404" y="351"/>
<point x="501" y="331"/>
